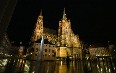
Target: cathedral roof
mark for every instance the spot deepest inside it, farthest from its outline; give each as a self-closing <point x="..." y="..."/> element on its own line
<point x="50" y="31"/>
<point x="98" y="45"/>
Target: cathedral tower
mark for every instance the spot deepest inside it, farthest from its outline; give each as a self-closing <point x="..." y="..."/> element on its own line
<point x="64" y="31"/>
<point x="39" y="28"/>
<point x="68" y="42"/>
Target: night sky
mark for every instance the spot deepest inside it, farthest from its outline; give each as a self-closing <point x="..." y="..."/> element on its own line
<point x="93" y="21"/>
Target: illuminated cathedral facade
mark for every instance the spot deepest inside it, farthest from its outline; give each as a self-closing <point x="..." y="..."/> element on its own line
<point x="66" y="42"/>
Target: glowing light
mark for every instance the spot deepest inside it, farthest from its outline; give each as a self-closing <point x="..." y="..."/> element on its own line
<point x="114" y="68"/>
<point x="61" y="63"/>
<point x="109" y="70"/>
<point x="23" y="61"/>
<point x="106" y="68"/>
<point x="24" y="56"/>
<point x="97" y="66"/>
<point x="101" y="69"/>
<point x="4" y="62"/>
<point x="26" y="67"/>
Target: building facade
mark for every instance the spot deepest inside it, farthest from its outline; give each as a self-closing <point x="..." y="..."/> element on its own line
<point x="48" y="50"/>
<point x="66" y="43"/>
<point x="98" y="51"/>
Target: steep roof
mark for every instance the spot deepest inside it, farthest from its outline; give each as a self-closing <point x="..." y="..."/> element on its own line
<point x="98" y="45"/>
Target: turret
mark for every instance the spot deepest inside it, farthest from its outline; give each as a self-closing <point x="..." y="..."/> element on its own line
<point x="64" y="14"/>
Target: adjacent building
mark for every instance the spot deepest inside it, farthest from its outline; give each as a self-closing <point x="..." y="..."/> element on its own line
<point x="112" y="50"/>
<point x="99" y="50"/>
<point x="48" y="50"/>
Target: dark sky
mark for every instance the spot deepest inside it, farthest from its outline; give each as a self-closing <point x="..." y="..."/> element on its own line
<point x="94" y="21"/>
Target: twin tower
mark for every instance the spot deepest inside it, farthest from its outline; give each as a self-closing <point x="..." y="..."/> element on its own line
<point x="65" y="36"/>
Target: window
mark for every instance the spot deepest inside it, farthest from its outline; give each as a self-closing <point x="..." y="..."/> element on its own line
<point x="49" y="55"/>
<point x="52" y="51"/>
<point x="45" y="55"/>
<point x="36" y="49"/>
<point x="35" y="54"/>
<point x="45" y="50"/>
<point x="37" y="37"/>
<point x="53" y="55"/>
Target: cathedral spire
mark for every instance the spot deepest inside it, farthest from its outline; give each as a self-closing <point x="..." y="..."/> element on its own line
<point x="64" y="14"/>
<point x="41" y="12"/>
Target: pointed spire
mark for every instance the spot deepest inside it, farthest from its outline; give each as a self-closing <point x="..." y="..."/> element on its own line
<point x="41" y="12"/>
<point x="64" y="11"/>
<point x="64" y="14"/>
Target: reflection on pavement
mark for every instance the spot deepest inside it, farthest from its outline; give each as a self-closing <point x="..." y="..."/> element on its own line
<point x="15" y="65"/>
